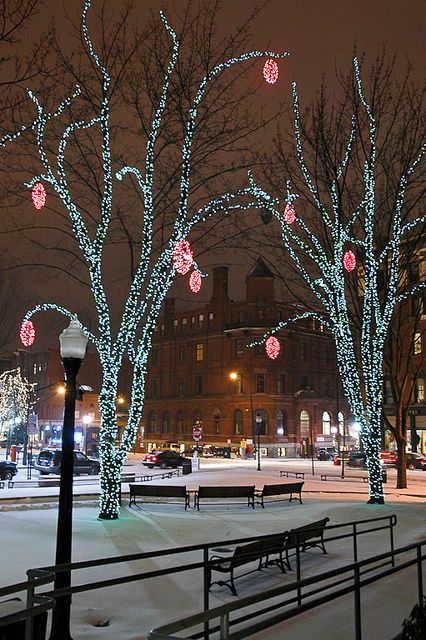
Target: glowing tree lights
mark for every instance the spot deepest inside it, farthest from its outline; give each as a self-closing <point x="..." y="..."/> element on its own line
<point x="27" y="333"/>
<point x="323" y="260"/>
<point x="154" y="273"/>
<point x="272" y="347"/>
<point x="195" y="281"/>
<point x="38" y="195"/>
<point x="349" y="261"/>
<point x="270" y="71"/>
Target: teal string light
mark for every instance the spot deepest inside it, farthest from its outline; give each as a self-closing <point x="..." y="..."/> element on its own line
<point x="362" y="380"/>
<point x="152" y="279"/>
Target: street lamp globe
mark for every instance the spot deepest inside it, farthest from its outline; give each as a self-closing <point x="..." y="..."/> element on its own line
<point x="73" y="341"/>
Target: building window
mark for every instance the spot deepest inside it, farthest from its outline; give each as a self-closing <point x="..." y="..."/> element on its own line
<point x="175" y="325"/>
<point x="388" y="396"/>
<point x="304" y="382"/>
<point x="184" y="323"/>
<point x="281" y="423"/>
<point x="241" y="316"/>
<point x="259" y="350"/>
<point x="154" y="357"/>
<point x="153" y="389"/>
<point x="34" y="369"/>
<point x="303" y="350"/>
<point x="420" y="390"/>
<point x="181" y="387"/>
<point x="304" y="424"/>
<point x="181" y="354"/>
<point x="327" y="354"/>
<point x="201" y="320"/>
<point x="417" y="342"/>
<point x="179" y="422"/>
<point x="216" y="421"/>
<point x="238" y="422"/>
<point x="263" y="424"/>
<point x="152" y="422"/>
<point x="192" y="321"/>
<point x="162" y="329"/>
<point x="198" y="387"/>
<point x="326" y="423"/>
<point x="327" y="387"/>
<point x="260" y="382"/>
<point x="239" y="348"/>
<point x="211" y="317"/>
<point x="280" y="383"/>
<point x="199" y="352"/>
<point x="260" y="314"/>
<point x="165" y="422"/>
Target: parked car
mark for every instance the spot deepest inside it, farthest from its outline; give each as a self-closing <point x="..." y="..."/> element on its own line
<point x="163" y="459"/>
<point x="416" y="461"/>
<point x="8" y="469"/>
<point x="49" y="461"/>
<point x="357" y="459"/>
<point x="327" y="453"/>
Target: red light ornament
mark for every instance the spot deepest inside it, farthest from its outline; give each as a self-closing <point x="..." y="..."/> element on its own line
<point x="183" y="257"/>
<point x="38" y="195"/>
<point x="289" y="214"/>
<point x="272" y="347"/>
<point x="27" y="333"/>
<point x="270" y="71"/>
<point x="195" y="281"/>
<point x="349" y="261"/>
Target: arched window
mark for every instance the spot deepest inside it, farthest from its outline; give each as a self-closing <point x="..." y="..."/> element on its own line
<point x="216" y="419"/>
<point x="165" y="422"/>
<point x="238" y="422"/>
<point x="304" y="424"/>
<point x="341" y="421"/>
<point x="152" y="422"/>
<point x="326" y="423"/>
<point x="281" y="423"/>
<point x="264" y="422"/>
<point x="180" y="422"/>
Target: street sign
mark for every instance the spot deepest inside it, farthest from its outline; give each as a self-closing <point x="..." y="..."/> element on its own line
<point x="197" y="432"/>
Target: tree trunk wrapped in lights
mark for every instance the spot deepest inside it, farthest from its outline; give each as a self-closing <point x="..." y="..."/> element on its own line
<point x="327" y="243"/>
<point x="154" y="274"/>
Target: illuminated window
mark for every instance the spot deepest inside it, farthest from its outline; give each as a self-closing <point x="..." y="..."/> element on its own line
<point x="304" y="424"/>
<point x="420" y="390"/>
<point x="184" y="323"/>
<point x="199" y="353"/>
<point x="175" y="325"/>
<point x="211" y="317"/>
<point x="238" y="422"/>
<point x="417" y="342"/>
<point x="281" y="425"/>
<point x="201" y="320"/>
<point x="326" y="423"/>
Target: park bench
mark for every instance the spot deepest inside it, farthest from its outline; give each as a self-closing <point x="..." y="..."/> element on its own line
<point x="225" y="493"/>
<point x="294" y="474"/>
<point x="334" y="476"/>
<point x="275" y="491"/>
<point x="305" y="537"/>
<point x="258" y="551"/>
<point x="150" y="493"/>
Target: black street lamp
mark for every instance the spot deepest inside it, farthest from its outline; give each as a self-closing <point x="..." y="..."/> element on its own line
<point x="73" y="347"/>
<point x="258" y="427"/>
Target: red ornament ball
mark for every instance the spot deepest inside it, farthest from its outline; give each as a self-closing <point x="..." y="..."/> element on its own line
<point x="195" y="281"/>
<point x="27" y="333"/>
<point x="183" y="257"/>
<point x="38" y="195"/>
<point x="270" y="71"/>
<point x="289" y="214"/>
<point x="349" y="261"/>
<point x="272" y="347"/>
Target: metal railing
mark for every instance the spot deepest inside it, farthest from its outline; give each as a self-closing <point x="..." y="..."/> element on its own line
<point x="39" y="577"/>
<point x="311" y="593"/>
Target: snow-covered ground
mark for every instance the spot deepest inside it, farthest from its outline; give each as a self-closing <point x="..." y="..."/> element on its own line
<point x="28" y="529"/>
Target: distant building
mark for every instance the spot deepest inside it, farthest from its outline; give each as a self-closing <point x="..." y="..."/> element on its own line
<point x="195" y="352"/>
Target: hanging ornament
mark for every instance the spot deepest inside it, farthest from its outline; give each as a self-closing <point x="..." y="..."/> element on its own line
<point x="272" y="347"/>
<point x="183" y="257"/>
<point x="195" y="281"/>
<point x="270" y="71"/>
<point x="27" y="333"/>
<point x="38" y="195"/>
<point x="289" y="214"/>
<point x="349" y="261"/>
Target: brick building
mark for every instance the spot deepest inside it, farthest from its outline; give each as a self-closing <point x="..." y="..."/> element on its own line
<point x="194" y="354"/>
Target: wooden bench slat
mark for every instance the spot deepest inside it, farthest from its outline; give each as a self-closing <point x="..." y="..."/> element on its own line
<point x="270" y="490"/>
<point x="158" y="491"/>
<point x="225" y="492"/>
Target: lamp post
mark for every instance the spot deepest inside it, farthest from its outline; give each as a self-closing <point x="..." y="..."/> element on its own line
<point x="86" y="422"/>
<point x="73" y="347"/>
<point x="258" y="424"/>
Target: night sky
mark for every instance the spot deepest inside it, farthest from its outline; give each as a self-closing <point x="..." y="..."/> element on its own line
<point x="320" y="35"/>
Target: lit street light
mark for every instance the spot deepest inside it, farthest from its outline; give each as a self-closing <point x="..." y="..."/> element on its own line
<point x="73" y="347"/>
<point x="258" y="426"/>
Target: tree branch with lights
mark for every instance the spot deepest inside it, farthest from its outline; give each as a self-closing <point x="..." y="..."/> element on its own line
<point x="327" y="245"/>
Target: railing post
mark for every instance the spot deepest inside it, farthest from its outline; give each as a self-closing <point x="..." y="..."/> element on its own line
<point x="298" y="576"/>
<point x="420" y="577"/>
<point x="206" y="590"/>
<point x="357" y="604"/>
<point x="354" y="542"/>
<point x="224" y="626"/>
<point x="391" y="540"/>
<point x="30" y="603"/>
